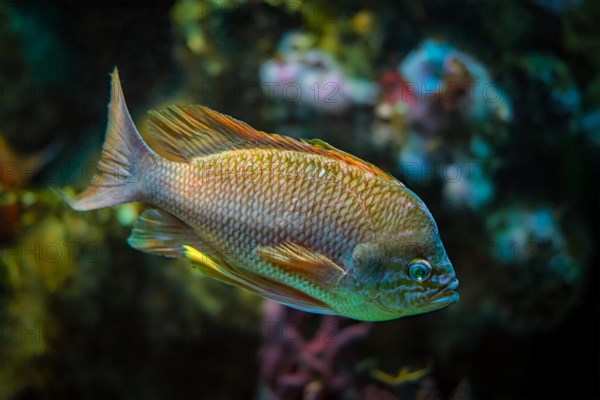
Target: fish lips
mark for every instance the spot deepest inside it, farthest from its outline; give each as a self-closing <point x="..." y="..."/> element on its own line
<point x="447" y="295"/>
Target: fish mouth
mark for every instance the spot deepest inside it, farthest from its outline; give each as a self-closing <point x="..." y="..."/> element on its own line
<point x="447" y="295"/>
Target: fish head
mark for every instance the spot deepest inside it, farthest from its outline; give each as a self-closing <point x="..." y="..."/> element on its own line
<point x="406" y="271"/>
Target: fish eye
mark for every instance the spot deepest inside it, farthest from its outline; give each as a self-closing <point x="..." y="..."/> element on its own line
<point x="419" y="270"/>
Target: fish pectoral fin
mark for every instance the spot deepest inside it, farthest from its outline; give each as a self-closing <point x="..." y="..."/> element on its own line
<point x="300" y="260"/>
<point x="158" y="232"/>
<point x="255" y="283"/>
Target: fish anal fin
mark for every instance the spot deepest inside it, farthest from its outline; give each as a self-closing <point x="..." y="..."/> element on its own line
<point x="252" y="282"/>
<point x="299" y="260"/>
<point x="210" y="267"/>
<point x="158" y="232"/>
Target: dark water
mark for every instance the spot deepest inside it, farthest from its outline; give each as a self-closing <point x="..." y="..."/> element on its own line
<point x="489" y="111"/>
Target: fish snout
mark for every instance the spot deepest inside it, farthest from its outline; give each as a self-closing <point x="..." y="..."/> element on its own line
<point x="447" y="294"/>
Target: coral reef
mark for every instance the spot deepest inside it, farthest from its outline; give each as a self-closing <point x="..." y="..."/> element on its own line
<point x="293" y="366"/>
<point x="434" y="109"/>
<point x="303" y="74"/>
<point x="434" y="85"/>
<point x="315" y="357"/>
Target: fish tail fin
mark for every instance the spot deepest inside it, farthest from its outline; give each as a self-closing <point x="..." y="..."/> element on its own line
<point x="118" y="171"/>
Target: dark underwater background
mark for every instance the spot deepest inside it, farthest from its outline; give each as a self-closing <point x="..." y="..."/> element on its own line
<point x="488" y="110"/>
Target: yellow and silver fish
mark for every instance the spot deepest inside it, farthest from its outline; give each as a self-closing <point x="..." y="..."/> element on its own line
<point x="299" y="222"/>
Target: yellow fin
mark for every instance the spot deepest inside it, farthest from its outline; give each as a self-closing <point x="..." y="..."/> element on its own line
<point x="404" y="375"/>
<point x="189" y="132"/>
<point x="200" y="258"/>
<point x="300" y="260"/>
<point x="254" y="283"/>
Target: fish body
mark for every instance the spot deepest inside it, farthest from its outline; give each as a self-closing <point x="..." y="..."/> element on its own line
<point x="298" y="222"/>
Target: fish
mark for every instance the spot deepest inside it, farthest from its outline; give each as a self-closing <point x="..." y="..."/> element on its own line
<point x="295" y="221"/>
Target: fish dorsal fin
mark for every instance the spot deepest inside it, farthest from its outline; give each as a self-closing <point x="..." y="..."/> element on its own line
<point x="195" y="131"/>
<point x="190" y="132"/>
<point x="299" y="260"/>
<point x="349" y="158"/>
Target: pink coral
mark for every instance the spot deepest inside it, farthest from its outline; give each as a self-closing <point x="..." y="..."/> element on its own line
<point x="296" y="366"/>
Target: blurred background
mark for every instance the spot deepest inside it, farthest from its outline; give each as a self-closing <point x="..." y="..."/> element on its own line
<point x="489" y="110"/>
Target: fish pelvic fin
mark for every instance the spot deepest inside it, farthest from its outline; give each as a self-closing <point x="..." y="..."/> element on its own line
<point x="158" y="232"/>
<point x="118" y="170"/>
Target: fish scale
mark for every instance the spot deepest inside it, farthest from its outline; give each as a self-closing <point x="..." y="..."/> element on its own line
<point x="299" y="222"/>
<point x="217" y="201"/>
<point x="238" y="233"/>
